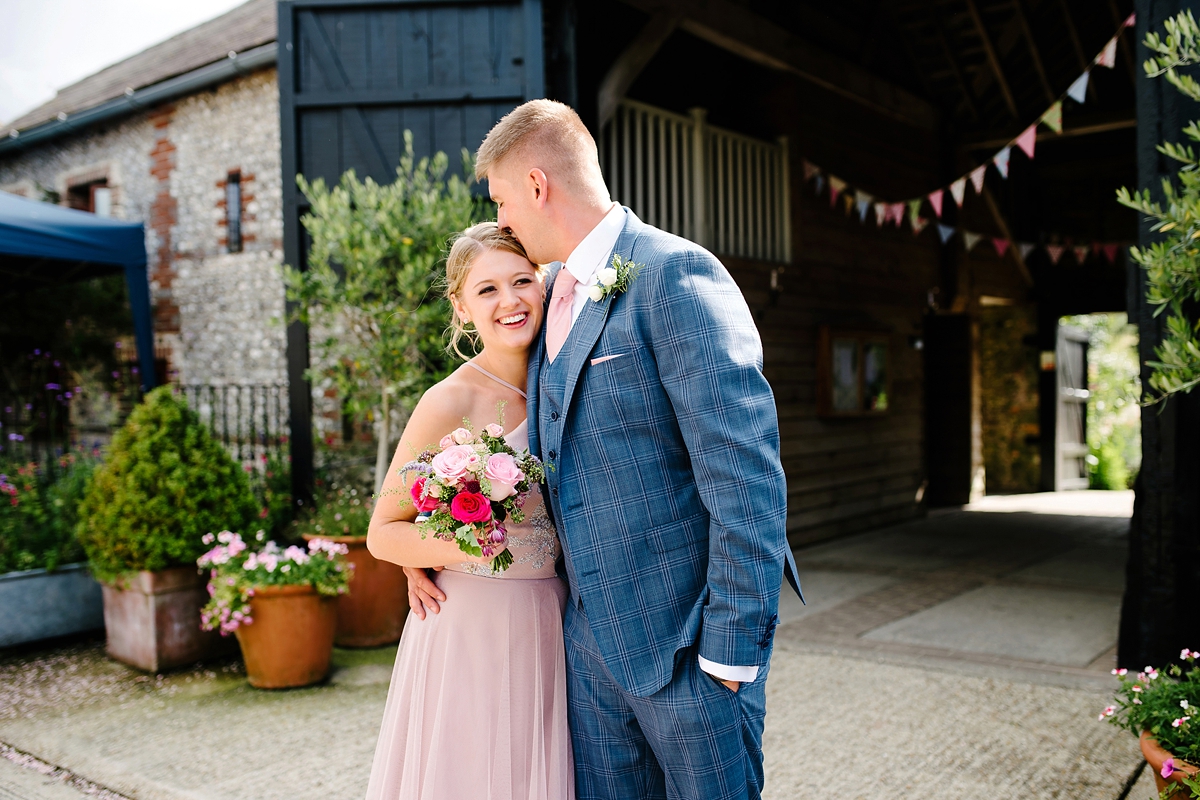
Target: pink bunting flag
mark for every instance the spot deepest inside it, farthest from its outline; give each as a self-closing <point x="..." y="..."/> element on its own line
<point x="977" y="176"/>
<point x="896" y="214"/>
<point x="1028" y="140"/>
<point x="935" y="200"/>
<point x="811" y="170"/>
<point x="1131" y="20"/>
<point x="1001" y="246"/>
<point x="1055" y="251"/>
<point x="1097" y="248"/>
<point x="918" y="224"/>
<point x="1108" y="56"/>
<point x="959" y="189"/>
<point x="1001" y="161"/>
<point x="881" y="213"/>
<point x="1110" y="252"/>
<point x="1081" y="253"/>
<point x="836" y="185"/>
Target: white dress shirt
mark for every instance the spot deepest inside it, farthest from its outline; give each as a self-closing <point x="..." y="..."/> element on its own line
<point x="589" y="257"/>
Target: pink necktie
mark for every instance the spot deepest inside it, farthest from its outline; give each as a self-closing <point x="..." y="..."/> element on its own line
<point x="558" y="318"/>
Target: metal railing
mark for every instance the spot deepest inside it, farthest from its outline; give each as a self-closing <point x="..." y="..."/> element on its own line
<point x="721" y="189"/>
<point x="250" y="420"/>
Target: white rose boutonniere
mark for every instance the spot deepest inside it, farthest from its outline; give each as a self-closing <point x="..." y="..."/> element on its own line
<point x="614" y="279"/>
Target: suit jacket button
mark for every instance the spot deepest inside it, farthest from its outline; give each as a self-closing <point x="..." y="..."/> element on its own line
<point x="554" y="492"/>
<point x="553" y="455"/>
<point x="554" y="416"/>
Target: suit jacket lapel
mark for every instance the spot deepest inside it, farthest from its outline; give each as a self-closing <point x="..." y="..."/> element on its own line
<point x="590" y="324"/>
<point x="534" y="369"/>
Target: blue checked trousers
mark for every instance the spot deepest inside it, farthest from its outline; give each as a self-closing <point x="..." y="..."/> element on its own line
<point x="694" y="739"/>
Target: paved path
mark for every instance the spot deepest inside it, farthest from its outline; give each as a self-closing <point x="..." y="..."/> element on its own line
<point x="962" y="655"/>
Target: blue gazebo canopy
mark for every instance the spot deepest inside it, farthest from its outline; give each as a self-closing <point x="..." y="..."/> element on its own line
<point x="46" y="245"/>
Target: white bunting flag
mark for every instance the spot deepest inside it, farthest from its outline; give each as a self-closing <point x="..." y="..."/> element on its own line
<point x="863" y="200"/>
<point x="1055" y="251"/>
<point x="945" y="232"/>
<point x="1108" y="56"/>
<point x="959" y="189"/>
<point x="977" y="176"/>
<point x="1001" y="161"/>
<point x="1078" y="89"/>
<point x="970" y="239"/>
<point x="1027" y="140"/>
<point x="1025" y="248"/>
<point x="881" y="214"/>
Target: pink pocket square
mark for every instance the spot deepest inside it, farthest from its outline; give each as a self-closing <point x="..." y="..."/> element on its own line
<point x="602" y="359"/>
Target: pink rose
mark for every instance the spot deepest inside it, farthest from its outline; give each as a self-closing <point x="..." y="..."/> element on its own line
<point x="494" y="430"/>
<point x="503" y="472"/>
<point x="447" y="441"/>
<point x="463" y="436"/>
<point x="470" y="507"/>
<point x="453" y="463"/>
<point x="422" y="503"/>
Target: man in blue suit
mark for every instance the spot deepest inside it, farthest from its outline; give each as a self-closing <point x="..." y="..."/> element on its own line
<point x="648" y="404"/>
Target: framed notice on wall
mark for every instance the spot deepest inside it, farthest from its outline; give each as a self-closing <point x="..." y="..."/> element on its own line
<point x="854" y="373"/>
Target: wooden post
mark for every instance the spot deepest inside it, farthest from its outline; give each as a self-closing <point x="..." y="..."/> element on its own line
<point x="1162" y="591"/>
<point x="785" y="201"/>
<point x="699" y="182"/>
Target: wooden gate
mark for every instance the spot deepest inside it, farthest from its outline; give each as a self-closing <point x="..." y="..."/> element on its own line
<point x="1070" y="429"/>
<point x="353" y="76"/>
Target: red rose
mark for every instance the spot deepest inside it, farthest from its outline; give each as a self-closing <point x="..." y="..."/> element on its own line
<point x="422" y="503"/>
<point x="470" y="507"/>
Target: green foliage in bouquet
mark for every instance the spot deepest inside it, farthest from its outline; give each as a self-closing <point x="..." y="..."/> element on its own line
<point x="166" y="483"/>
<point x="1164" y="702"/>
<point x="1173" y="264"/>
<point x="39" y="505"/>
<point x="370" y="286"/>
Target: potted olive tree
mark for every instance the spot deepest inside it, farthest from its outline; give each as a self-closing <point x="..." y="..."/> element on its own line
<point x="280" y="602"/>
<point x="165" y="484"/>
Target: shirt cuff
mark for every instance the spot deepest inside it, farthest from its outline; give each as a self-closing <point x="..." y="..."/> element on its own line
<point x="726" y="673"/>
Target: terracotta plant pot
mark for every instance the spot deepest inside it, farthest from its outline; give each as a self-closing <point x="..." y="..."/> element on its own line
<point x="153" y="620"/>
<point x="372" y="613"/>
<point x="1155" y="756"/>
<point x="290" y="642"/>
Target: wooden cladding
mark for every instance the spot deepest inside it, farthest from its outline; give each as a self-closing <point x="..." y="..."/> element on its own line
<point x="720" y="189"/>
<point x="854" y="376"/>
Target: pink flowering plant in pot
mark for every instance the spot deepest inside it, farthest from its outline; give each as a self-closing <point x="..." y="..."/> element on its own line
<point x="470" y="487"/>
<point x="1164" y="705"/>
<point x="236" y="569"/>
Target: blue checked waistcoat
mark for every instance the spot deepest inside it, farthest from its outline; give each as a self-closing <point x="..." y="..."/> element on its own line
<point x="663" y="476"/>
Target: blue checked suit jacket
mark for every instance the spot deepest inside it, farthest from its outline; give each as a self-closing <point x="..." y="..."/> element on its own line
<point x="666" y="483"/>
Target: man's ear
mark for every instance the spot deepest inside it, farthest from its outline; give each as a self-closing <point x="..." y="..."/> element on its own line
<point x="540" y="186"/>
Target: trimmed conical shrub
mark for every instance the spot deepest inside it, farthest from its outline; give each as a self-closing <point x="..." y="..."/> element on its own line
<point x="165" y="483"/>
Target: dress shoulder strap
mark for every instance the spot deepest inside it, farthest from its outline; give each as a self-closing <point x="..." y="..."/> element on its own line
<point x="500" y="381"/>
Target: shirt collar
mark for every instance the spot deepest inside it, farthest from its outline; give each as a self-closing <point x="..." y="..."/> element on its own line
<point x="592" y="253"/>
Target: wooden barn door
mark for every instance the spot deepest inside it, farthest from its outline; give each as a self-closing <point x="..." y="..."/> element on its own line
<point x="1070" y="428"/>
<point x="353" y="77"/>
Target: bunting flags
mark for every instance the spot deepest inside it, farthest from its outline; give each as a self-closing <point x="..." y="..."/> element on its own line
<point x="918" y="224"/>
<point x="836" y="185"/>
<point x="863" y="200"/>
<point x="1131" y="20"/>
<point x="1001" y="246"/>
<point x="1108" y="56"/>
<point x="820" y="184"/>
<point x="914" y="210"/>
<point x="811" y="170"/>
<point x="897" y="213"/>
<point x="1081" y="252"/>
<point x="1028" y="140"/>
<point x="1078" y="89"/>
<point x="959" y="190"/>
<point x="1110" y="250"/>
<point x="945" y="232"/>
<point x="977" y="176"/>
<point x="1055" y="251"/>
<point x="1001" y="161"/>
<point x="970" y="239"/>
<point x="1052" y="119"/>
<point x="1025" y="248"/>
<point x="881" y="214"/>
<point x="935" y="200"/>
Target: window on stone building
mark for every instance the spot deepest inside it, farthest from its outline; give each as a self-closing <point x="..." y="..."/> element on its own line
<point x="233" y="212"/>
<point x="92" y="196"/>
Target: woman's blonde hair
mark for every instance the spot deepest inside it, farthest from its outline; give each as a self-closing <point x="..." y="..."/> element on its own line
<point x="467" y="247"/>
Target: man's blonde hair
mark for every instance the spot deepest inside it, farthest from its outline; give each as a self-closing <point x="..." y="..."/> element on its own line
<point x="553" y="131"/>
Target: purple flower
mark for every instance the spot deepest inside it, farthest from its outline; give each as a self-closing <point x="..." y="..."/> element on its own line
<point x="134" y="370"/>
<point x="116" y="374"/>
<point x="1168" y="768"/>
<point x="117" y="345"/>
<point x="37" y="352"/>
<point x="57" y="364"/>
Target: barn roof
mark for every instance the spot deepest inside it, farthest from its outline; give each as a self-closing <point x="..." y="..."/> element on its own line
<point x="249" y="25"/>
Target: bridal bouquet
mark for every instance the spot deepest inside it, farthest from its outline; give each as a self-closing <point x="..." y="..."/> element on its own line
<point x="470" y="487"/>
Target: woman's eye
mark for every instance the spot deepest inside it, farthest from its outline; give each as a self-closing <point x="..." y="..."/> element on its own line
<point x="487" y="289"/>
<point x="523" y="282"/>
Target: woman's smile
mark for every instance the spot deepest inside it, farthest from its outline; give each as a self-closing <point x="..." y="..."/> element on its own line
<point x="514" y="320"/>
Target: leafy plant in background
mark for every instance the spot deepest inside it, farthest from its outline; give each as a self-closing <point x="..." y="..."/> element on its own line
<point x="165" y="483"/>
<point x="271" y="484"/>
<point x="39" y="510"/>
<point x="340" y="510"/>
<point x="1173" y="264"/>
<point x="370" y="284"/>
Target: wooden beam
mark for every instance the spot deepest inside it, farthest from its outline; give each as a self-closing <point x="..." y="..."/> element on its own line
<point x="1027" y="32"/>
<point x="632" y="61"/>
<point x="1087" y="128"/>
<point x="992" y="58"/>
<point x="755" y="38"/>
<point x="963" y="84"/>
<point x="1076" y="44"/>
<point x="1006" y="232"/>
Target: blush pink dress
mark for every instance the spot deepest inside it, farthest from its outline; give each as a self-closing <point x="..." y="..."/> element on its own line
<point x="477" y="708"/>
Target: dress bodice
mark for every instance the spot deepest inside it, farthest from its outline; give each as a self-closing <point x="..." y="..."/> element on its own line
<point x="533" y="542"/>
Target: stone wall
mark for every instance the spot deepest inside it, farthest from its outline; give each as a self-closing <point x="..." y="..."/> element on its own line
<point x="1009" y="378"/>
<point x="218" y="315"/>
